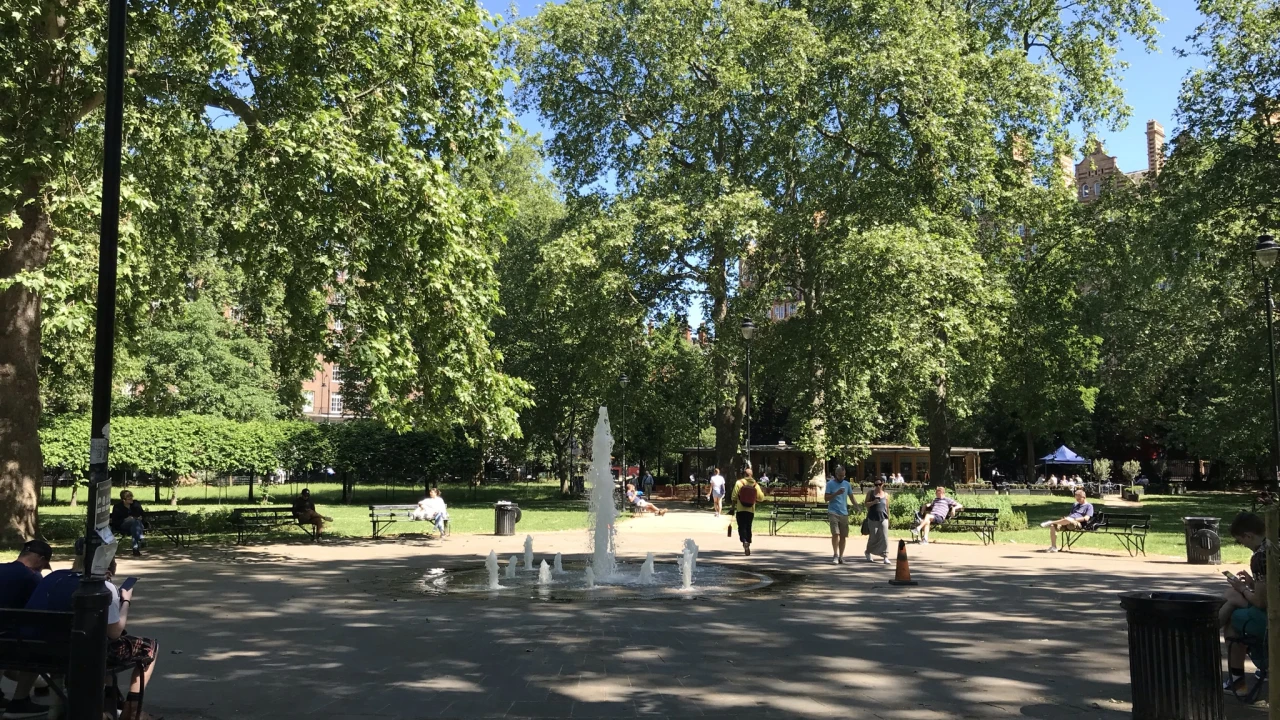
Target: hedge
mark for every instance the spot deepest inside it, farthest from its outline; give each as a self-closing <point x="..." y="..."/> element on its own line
<point x="176" y="446"/>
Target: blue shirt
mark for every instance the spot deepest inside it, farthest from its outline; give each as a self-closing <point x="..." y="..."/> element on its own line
<point x="1080" y="511"/>
<point x="17" y="581"/>
<point x="839" y="505"/>
<point x="55" y="591"/>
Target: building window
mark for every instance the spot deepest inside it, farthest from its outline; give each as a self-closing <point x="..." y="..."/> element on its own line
<point x="1097" y="189"/>
<point x="335" y="404"/>
<point x="336" y="374"/>
<point x="337" y="326"/>
<point x="308" y="401"/>
<point x="1084" y="191"/>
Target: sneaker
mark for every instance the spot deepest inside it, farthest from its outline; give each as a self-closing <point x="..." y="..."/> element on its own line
<point x="924" y="541"/>
<point x="1232" y="685"/>
<point x="137" y="552"/>
<point x="886" y="561"/>
<point x="25" y="708"/>
<point x="746" y="548"/>
<point x="835" y="560"/>
<point x="839" y="561"/>
<point x="1046" y="523"/>
<point x="1052" y="548"/>
<point x="869" y="557"/>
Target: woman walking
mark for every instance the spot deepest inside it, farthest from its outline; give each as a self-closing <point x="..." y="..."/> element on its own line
<point x="877" y="503"/>
<point x="747" y="493"/>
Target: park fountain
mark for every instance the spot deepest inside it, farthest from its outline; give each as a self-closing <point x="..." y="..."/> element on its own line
<point x="491" y="564"/>
<point x="603" y="513"/>
<point x="599" y="576"/>
<point x="646" y="570"/>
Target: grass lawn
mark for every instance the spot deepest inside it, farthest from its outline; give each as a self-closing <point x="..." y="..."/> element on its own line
<point x="1165" y="538"/>
<point x="470" y="511"/>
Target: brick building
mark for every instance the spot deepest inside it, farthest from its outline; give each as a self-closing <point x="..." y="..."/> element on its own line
<point x="1098" y="168"/>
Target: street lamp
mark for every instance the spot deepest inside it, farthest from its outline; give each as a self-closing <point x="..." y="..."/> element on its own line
<point x="622" y="475"/>
<point x="748" y="332"/>
<point x="1266" y="252"/>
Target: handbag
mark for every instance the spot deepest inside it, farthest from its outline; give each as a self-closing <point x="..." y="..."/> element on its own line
<point x="866" y="525"/>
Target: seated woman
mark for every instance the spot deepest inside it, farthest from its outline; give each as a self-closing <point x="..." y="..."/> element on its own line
<point x="432" y="508"/>
<point x="129" y="519"/>
<point x="640" y="504"/>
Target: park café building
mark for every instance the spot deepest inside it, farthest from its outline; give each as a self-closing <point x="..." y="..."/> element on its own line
<point x="788" y="463"/>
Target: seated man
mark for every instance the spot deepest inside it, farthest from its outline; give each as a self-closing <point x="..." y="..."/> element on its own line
<point x="432" y="508"/>
<point x="127" y="518"/>
<point x="18" y="580"/>
<point x="935" y="512"/>
<point x="640" y="504"/>
<point x="1080" y="515"/>
<point x="1243" y="617"/>
<point x="304" y="511"/>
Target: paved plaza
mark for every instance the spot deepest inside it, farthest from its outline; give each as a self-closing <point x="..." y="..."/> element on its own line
<point x="339" y="630"/>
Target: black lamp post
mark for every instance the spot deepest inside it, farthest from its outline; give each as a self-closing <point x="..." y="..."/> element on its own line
<point x="622" y="475"/>
<point x="88" y="666"/>
<point x="1266" y="252"/>
<point x="748" y="332"/>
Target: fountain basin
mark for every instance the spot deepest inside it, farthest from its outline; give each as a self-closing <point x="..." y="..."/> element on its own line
<point x="665" y="582"/>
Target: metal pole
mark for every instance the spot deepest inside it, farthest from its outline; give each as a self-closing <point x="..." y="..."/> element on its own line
<point x="622" y="487"/>
<point x="1275" y="400"/>
<point x="748" y="443"/>
<point x="1272" y="515"/>
<point x="88" y="666"/>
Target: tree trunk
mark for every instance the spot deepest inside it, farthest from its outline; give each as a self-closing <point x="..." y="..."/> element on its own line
<point x="250" y="488"/>
<point x="939" y="433"/>
<point x="21" y="463"/>
<point x="75" y="486"/>
<point x="1031" y="457"/>
<point x="155" y="485"/>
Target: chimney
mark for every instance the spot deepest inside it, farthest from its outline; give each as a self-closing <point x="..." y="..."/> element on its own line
<point x="1155" y="147"/>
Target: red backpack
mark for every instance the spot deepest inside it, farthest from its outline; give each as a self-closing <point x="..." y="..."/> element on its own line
<point x="747" y="496"/>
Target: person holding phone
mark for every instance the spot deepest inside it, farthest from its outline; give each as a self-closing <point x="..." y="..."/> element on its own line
<point x="877" y="503"/>
<point x="1244" y="612"/>
<point x="837" y="498"/>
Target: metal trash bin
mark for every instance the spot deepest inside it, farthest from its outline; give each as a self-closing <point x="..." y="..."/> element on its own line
<point x="1204" y="546"/>
<point x="1175" y="657"/>
<point x="505" y="516"/>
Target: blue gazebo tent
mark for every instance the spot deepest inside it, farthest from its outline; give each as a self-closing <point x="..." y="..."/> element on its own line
<point x="1064" y="456"/>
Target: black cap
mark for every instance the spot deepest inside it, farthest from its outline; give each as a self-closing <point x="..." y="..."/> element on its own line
<point x="41" y="548"/>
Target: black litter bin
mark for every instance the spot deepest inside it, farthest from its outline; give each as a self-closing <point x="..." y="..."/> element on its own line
<point x="1175" y="659"/>
<point x="505" y="516"/>
<point x="1204" y="546"/>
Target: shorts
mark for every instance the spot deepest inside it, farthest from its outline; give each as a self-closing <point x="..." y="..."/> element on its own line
<point x="642" y="504"/>
<point x="717" y="492"/>
<point x="839" y="524"/>
<point x="1250" y="622"/>
<point x="938" y="520"/>
<point x="130" y="650"/>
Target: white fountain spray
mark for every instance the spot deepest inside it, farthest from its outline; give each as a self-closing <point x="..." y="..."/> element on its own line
<point x="556" y="567"/>
<point x="603" y="511"/>
<point x="511" y="567"/>
<point x="692" y="547"/>
<point x="528" y="552"/>
<point x="544" y="573"/>
<point x="491" y="563"/>
<point x="646" y="570"/>
<point x="590" y="578"/>
<point x="688" y="560"/>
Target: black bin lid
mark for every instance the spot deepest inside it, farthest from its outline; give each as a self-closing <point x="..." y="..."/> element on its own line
<point x="1171" y="604"/>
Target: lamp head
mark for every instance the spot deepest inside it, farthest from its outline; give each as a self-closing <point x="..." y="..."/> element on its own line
<point x="748" y="328"/>
<point x="1266" y="251"/>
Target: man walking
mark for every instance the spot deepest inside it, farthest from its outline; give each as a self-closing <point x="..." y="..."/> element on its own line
<point x="837" y="498"/>
<point x="747" y="493"/>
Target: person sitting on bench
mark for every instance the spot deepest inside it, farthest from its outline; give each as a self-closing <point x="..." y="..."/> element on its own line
<point x="18" y="580"/>
<point x="432" y="508"/>
<point x="304" y="511"/>
<point x="640" y="504"/>
<point x="935" y="512"/>
<point x="1243" y="615"/>
<point x="128" y="519"/>
<point x="1080" y="515"/>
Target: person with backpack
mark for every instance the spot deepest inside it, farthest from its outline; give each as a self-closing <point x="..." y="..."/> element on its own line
<point x="747" y="494"/>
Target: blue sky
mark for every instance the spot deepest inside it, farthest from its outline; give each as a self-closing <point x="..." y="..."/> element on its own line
<point x="1151" y="83"/>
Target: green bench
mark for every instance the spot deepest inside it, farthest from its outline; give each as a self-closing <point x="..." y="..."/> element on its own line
<point x="980" y="521"/>
<point x="1129" y="528"/>
<point x="251" y="520"/>
<point x="383" y="515"/>
<point x="783" y="513"/>
<point x="172" y="524"/>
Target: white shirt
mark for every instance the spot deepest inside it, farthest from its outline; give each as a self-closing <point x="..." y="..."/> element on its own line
<point x="717" y="481"/>
<point x="432" y="506"/>
<point x="113" y="610"/>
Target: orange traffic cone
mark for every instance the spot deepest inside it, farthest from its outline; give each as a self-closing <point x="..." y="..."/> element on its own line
<point x="903" y="574"/>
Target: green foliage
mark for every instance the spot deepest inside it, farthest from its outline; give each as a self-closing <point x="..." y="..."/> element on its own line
<point x="1102" y="469"/>
<point x="1130" y="470"/>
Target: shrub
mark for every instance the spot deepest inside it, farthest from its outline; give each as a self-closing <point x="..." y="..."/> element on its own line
<point x="1102" y="469"/>
<point x="1130" y="470"/>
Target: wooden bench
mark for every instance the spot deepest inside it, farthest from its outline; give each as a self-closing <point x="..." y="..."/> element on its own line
<point x="784" y="513"/>
<point x="39" y="641"/>
<point x="383" y="515"/>
<point x="981" y="521"/>
<point x="251" y="519"/>
<point x="1129" y="528"/>
<point x="172" y="524"/>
